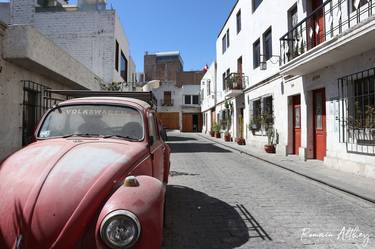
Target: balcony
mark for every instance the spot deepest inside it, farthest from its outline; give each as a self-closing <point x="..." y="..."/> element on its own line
<point x="335" y="31"/>
<point x="167" y="102"/>
<point x="234" y="84"/>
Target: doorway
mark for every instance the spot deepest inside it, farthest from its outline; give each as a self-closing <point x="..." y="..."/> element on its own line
<point x="319" y="115"/>
<point x="195" y="122"/>
<point x="316" y="31"/>
<point x="296" y="123"/>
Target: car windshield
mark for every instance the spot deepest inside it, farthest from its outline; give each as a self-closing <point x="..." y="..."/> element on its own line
<point x="93" y="120"/>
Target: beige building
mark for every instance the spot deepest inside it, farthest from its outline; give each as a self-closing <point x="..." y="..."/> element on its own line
<point x="29" y="65"/>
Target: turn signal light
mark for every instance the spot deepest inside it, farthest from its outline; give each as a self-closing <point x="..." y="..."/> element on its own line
<point x="131" y="181"/>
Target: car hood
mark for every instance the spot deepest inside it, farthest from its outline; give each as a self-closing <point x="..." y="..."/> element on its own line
<point x="47" y="185"/>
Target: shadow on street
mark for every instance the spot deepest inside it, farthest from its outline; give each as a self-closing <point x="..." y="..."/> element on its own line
<point x="180" y="139"/>
<point x="197" y="221"/>
<point x="196" y="148"/>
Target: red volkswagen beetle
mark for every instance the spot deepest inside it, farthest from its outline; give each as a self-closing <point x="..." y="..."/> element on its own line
<point x="95" y="178"/>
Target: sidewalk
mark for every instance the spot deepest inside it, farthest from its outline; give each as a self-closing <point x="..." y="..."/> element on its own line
<point x="315" y="170"/>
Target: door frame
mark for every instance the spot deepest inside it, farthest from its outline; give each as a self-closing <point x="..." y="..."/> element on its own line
<point x="324" y="120"/>
<point x="296" y="150"/>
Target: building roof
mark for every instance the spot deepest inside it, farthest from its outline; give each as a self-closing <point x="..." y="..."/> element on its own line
<point x="167" y="53"/>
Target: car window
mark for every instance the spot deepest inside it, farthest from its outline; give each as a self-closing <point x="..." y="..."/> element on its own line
<point x="153" y="133"/>
<point x="103" y="120"/>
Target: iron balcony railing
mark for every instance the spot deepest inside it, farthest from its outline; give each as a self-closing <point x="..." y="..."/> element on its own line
<point x="235" y="81"/>
<point x="330" y="19"/>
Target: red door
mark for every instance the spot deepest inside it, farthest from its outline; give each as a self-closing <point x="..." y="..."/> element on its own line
<point x="315" y="33"/>
<point x="320" y="133"/>
<point x="296" y="124"/>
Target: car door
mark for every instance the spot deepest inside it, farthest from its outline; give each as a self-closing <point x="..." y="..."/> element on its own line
<point x="157" y="147"/>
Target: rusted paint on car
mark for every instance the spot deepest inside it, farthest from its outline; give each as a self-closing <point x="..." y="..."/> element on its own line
<point x="54" y="189"/>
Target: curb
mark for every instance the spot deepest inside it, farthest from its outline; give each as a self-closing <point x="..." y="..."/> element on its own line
<point x="334" y="186"/>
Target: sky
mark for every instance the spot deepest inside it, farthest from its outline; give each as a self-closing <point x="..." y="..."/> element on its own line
<point x="189" y="26"/>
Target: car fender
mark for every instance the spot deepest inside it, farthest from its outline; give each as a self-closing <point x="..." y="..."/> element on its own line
<point x="146" y="201"/>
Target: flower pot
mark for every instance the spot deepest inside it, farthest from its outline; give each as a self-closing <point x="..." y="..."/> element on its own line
<point x="212" y="134"/>
<point x="240" y="141"/>
<point x="270" y="148"/>
<point x="217" y="134"/>
<point x="227" y="137"/>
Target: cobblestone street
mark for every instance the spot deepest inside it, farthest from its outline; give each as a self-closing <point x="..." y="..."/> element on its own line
<point x="219" y="198"/>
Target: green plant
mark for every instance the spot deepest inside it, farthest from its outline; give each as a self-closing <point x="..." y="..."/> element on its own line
<point x="112" y="87"/>
<point x="216" y="127"/>
<point x="270" y="136"/>
<point x="228" y="118"/>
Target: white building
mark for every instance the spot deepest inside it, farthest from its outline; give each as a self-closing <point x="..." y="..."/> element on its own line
<point x="178" y="106"/>
<point x="208" y="98"/>
<point x="88" y="31"/>
<point x="309" y="64"/>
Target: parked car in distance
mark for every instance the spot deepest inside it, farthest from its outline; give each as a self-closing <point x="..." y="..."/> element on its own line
<point x="94" y="178"/>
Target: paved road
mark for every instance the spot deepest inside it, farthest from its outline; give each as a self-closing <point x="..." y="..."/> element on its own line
<point x="218" y="198"/>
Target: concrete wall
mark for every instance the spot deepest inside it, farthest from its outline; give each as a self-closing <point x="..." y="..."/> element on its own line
<point x="27" y="47"/>
<point x="89" y="36"/>
<point x="11" y="99"/>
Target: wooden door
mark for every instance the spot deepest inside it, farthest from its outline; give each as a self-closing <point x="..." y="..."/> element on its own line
<point x="296" y="124"/>
<point x="187" y="122"/>
<point x="320" y="133"/>
<point x="169" y="120"/>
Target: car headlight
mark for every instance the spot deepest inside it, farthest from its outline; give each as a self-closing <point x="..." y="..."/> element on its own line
<point x="120" y="229"/>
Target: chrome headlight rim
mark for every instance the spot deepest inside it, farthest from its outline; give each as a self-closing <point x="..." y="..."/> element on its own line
<point x="106" y="221"/>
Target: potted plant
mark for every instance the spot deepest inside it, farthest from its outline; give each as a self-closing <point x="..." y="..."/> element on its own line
<point x="267" y="122"/>
<point x="216" y="129"/>
<point x="270" y="146"/>
<point x="228" y="122"/>
<point x="240" y="140"/>
<point x="227" y="136"/>
<point x="212" y="133"/>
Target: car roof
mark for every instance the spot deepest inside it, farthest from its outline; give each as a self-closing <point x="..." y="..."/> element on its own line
<point x="108" y="100"/>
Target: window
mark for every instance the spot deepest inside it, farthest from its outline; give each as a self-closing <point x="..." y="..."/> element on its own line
<point x="117" y="55"/>
<point x="224" y="43"/>
<point x="256" y="54"/>
<point x="362" y="106"/>
<point x="261" y="114"/>
<point x="191" y="99"/>
<point x="267" y="44"/>
<point x="124" y="67"/>
<point x="228" y="38"/>
<point x="224" y="76"/>
<point x="208" y="87"/>
<point x="167" y="98"/>
<point x="187" y="99"/>
<point x="256" y="4"/>
<point x="195" y="99"/>
<point x="239" y="21"/>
